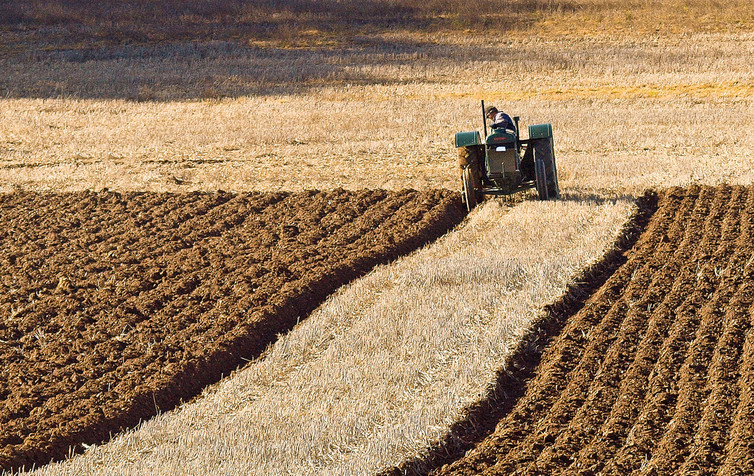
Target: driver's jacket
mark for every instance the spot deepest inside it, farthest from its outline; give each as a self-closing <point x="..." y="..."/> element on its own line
<point x="503" y="120"/>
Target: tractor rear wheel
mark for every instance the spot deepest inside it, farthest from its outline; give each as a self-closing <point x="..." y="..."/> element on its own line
<point x="553" y="188"/>
<point x="541" y="176"/>
<point x="545" y="170"/>
<point x="469" y="193"/>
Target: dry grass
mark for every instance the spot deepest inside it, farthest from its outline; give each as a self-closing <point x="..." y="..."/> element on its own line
<point x="627" y="113"/>
<point x="383" y="368"/>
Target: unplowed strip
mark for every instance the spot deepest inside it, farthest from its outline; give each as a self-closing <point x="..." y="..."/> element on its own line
<point x="116" y="306"/>
<point x="654" y="374"/>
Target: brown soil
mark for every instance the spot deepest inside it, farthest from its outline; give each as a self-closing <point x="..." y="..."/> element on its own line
<point x="655" y="373"/>
<point x="116" y="306"/>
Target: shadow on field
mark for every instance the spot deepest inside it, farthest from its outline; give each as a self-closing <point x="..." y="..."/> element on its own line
<point x="212" y="70"/>
<point x="113" y="22"/>
<point x="177" y="50"/>
<point x="217" y="69"/>
<point x="512" y="380"/>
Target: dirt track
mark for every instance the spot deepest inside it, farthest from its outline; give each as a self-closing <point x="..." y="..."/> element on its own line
<point x="655" y="374"/>
<point x="114" y="306"/>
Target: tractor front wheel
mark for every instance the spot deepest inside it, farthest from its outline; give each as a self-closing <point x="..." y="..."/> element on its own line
<point x="469" y="193"/>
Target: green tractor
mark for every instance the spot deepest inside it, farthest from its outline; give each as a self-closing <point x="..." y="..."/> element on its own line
<point x="504" y="163"/>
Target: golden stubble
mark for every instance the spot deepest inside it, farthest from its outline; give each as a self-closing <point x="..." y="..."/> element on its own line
<point x="626" y="115"/>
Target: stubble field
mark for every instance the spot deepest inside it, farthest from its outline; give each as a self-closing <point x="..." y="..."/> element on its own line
<point x="413" y="364"/>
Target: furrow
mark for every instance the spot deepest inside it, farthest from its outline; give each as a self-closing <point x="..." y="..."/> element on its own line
<point x="135" y="301"/>
<point x="652" y="413"/>
<point x="739" y="451"/>
<point x="672" y="448"/>
<point x="738" y="454"/>
<point x="707" y="449"/>
<point x="600" y="424"/>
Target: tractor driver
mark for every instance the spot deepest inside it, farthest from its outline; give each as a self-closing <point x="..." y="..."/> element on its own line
<point x="499" y="119"/>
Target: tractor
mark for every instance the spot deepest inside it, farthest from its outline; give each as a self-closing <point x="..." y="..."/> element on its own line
<point x="504" y="163"/>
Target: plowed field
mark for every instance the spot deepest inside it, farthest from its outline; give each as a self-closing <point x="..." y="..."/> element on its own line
<point x="116" y="306"/>
<point x="655" y="374"/>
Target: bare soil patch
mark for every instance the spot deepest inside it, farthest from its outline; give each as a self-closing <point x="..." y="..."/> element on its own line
<point x="116" y="306"/>
<point x="654" y="373"/>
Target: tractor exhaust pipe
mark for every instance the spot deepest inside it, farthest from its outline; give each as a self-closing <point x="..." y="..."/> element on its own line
<point x="484" y="120"/>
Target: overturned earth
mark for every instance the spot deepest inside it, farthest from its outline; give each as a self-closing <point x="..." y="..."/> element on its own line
<point x="116" y="306"/>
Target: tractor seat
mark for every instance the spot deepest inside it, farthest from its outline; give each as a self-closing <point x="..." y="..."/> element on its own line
<point x="502" y="129"/>
<point x="501" y="136"/>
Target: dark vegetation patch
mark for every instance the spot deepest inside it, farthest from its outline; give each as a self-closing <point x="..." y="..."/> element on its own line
<point x="67" y="23"/>
<point x="181" y="20"/>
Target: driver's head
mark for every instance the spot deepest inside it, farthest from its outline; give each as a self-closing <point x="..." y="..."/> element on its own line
<point x="490" y="112"/>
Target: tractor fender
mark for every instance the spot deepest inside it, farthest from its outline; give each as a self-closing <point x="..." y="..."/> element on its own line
<point x="540" y="131"/>
<point x="466" y="139"/>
